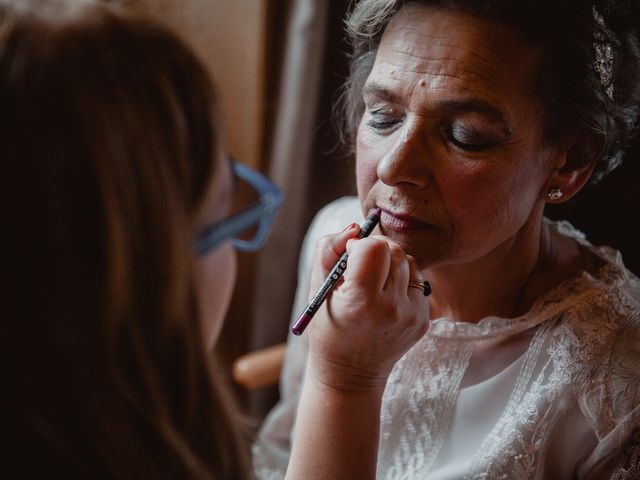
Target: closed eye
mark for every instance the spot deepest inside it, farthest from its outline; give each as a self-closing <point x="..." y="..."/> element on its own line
<point x="467" y="138"/>
<point x="383" y="120"/>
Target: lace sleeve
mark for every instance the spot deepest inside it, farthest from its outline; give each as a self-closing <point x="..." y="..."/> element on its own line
<point x="623" y="464"/>
<point x="616" y="418"/>
<point x="628" y="461"/>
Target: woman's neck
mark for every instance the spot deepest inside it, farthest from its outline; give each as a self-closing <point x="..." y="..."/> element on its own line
<point x="498" y="284"/>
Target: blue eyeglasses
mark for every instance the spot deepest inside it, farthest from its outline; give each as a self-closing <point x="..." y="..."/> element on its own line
<point x="248" y="229"/>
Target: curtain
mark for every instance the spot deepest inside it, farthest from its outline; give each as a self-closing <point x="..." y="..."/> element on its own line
<point x="291" y="159"/>
<point x="305" y="160"/>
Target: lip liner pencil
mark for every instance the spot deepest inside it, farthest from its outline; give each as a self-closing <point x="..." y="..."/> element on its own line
<point x="332" y="278"/>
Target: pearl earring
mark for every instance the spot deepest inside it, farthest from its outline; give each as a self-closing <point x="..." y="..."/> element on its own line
<point x="555" y="194"/>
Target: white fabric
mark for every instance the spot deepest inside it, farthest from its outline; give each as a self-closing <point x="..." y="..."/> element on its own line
<point x="554" y="394"/>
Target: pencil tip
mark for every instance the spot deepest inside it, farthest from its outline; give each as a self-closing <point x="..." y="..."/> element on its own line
<point x="301" y="323"/>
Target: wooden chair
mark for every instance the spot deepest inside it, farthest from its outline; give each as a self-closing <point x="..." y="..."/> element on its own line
<point x="260" y="368"/>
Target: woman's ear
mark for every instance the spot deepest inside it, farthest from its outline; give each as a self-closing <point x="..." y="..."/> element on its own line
<point x="574" y="167"/>
<point x="567" y="179"/>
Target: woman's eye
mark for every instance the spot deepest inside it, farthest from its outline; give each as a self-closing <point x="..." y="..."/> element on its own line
<point x="469" y="139"/>
<point x="382" y="120"/>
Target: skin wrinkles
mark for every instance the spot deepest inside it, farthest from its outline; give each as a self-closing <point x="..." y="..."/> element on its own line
<point x="470" y="34"/>
<point x="479" y="66"/>
<point x="469" y="73"/>
<point x="451" y="137"/>
<point x="483" y="64"/>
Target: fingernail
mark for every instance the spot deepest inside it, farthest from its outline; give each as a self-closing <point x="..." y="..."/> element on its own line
<point x="350" y="227"/>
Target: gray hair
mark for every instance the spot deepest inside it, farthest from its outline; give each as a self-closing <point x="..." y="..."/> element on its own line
<point x="576" y="94"/>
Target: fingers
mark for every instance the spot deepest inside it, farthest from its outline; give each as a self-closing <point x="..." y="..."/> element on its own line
<point x="372" y="319"/>
<point x="380" y="264"/>
<point x="415" y="274"/>
<point x="369" y="263"/>
<point x="375" y="263"/>
<point x="400" y="271"/>
<point x="416" y="295"/>
<point x="329" y="249"/>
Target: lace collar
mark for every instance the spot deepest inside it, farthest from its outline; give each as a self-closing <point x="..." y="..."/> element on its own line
<point x="604" y="281"/>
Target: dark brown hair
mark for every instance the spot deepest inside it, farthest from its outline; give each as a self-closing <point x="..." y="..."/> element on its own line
<point x="107" y="135"/>
<point x="600" y="115"/>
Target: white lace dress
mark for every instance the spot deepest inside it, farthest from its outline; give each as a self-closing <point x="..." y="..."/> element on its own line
<point x="554" y="394"/>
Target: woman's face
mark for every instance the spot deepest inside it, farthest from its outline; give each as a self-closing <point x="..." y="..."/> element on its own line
<point x="216" y="269"/>
<point x="450" y="145"/>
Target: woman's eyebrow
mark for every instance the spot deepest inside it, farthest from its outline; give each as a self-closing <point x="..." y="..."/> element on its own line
<point x="444" y="107"/>
<point x="450" y="107"/>
<point x="471" y="106"/>
<point x="381" y="92"/>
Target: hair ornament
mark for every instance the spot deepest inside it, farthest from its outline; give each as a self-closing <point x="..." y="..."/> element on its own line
<point x="603" y="50"/>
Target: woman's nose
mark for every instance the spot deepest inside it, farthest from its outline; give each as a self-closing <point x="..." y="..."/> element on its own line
<point x="407" y="162"/>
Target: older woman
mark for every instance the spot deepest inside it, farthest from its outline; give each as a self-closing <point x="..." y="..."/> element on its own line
<point x="468" y="117"/>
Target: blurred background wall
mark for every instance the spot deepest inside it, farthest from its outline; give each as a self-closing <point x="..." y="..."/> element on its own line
<point x="232" y="38"/>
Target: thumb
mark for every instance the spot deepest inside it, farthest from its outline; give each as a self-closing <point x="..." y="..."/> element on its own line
<point x="328" y="251"/>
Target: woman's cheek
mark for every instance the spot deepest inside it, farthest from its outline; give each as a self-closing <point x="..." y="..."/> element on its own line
<point x="366" y="175"/>
<point x="467" y="192"/>
<point x="370" y="149"/>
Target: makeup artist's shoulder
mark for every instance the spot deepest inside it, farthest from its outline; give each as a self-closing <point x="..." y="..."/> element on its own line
<point x="335" y="216"/>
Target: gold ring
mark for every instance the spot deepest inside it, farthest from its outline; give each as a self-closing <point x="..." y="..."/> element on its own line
<point x="424" y="286"/>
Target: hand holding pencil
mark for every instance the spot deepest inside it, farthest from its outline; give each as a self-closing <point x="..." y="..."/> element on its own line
<point x="371" y="318"/>
<point x="333" y="277"/>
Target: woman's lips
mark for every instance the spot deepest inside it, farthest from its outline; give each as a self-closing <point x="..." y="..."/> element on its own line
<point x="401" y="223"/>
